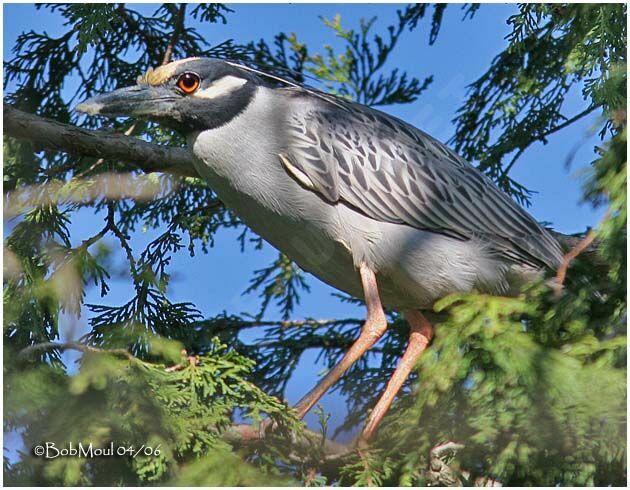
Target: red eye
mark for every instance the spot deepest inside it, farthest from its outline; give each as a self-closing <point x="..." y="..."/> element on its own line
<point x="188" y="82"/>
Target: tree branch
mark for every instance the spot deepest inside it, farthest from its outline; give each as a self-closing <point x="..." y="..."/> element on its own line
<point x="177" y="31"/>
<point x="544" y="135"/>
<point x="49" y="134"/>
<point x="331" y="450"/>
<point x="581" y="246"/>
<point x="168" y="54"/>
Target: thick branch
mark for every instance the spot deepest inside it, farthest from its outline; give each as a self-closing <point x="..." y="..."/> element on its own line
<point x="331" y="451"/>
<point x="49" y="134"/>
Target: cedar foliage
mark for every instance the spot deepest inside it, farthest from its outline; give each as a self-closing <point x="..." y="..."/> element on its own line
<point x="532" y="389"/>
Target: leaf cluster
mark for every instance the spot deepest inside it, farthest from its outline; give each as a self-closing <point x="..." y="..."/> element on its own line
<point x="552" y="51"/>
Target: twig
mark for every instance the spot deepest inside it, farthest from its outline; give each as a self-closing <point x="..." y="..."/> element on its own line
<point x="177" y="31"/>
<point x="509" y="166"/>
<point x="191" y="361"/>
<point x="569" y="257"/>
<point x="111" y="223"/>
<point x="88" y="242"/>
<point x="572" y="254"/>
<point x="35" y="349"/>
<point x="542" y="137"/>
<point x="308" y="322"/>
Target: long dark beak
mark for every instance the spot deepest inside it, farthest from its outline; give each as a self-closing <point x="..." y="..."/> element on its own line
<point x="142" y="101"/>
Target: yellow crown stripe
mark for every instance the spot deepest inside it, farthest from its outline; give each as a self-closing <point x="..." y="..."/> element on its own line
<point x="159" y="75"/>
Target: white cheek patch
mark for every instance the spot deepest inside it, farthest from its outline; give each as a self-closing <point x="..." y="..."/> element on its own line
<point x="222" y="86"/>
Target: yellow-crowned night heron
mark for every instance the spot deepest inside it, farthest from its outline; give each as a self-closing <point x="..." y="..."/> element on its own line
<point x="366" y="202"/>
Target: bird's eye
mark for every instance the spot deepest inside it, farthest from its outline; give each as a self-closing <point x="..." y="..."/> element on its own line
<point x="188" y="82"/>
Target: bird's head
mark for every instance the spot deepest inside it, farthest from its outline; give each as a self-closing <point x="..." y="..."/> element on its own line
<point x="190" y="94"/>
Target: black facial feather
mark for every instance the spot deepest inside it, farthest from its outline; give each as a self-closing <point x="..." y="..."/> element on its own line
<point x="192" y="113"/>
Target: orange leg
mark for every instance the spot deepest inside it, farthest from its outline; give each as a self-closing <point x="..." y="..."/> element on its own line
<point x="372" y="330"/>
<point x="420" y="334"/>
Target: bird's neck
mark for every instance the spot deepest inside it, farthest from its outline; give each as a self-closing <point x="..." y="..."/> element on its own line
<point x="240" y="158"/>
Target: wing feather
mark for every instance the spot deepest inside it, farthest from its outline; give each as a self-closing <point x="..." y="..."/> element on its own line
<point x="393" y="172"/>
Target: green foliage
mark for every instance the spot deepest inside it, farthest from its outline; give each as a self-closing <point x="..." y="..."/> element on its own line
<point x="532" y="387"/>
<point x="608" y="185"/>
<point x="178" y="415"/>
<point x="528" y="413"/>
<point x="217" y="470"/>
<point x="552" y="49"/>
<point x="356" y="72"/>
<point x="282" y="281"/>
<point x="90" y="22"/>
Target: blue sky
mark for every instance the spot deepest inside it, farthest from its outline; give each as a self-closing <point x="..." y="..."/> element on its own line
<point x="464" y="49"/>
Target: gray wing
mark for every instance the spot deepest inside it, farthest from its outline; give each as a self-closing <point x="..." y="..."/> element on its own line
<point x="393" y="172"/>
